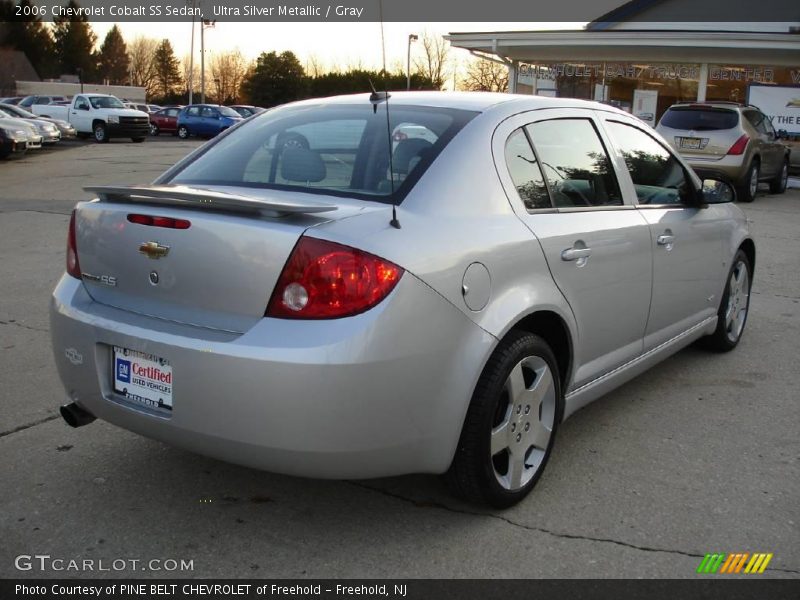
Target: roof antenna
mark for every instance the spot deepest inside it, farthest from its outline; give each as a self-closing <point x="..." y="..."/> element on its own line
<point x="376" y="97"/>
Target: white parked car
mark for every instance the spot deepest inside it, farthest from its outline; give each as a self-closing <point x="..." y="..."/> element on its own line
<point x="99" y="115"/>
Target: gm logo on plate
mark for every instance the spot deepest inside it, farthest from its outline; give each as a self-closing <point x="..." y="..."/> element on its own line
<point x="124" y="370"/>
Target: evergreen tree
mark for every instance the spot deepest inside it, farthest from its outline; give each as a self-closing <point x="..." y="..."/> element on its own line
<point x="276" y="79"/>
<point x="29" y="35"/>
<point x="113" y="58"/>
<point x="74" y="44"/>
<point x="167" y="70"/>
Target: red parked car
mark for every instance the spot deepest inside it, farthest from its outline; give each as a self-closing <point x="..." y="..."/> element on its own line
<point x="165" y="121"/>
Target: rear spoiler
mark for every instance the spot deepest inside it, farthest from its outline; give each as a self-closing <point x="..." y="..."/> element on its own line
<point x="191" y="197"/>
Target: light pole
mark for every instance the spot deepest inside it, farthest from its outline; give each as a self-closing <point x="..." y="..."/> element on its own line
<point x="412" y="37"/>
<point x="203" y="25"/>
<point x="191" y="59"/>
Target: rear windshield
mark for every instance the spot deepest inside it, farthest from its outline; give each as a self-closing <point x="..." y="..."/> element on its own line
<point x="330" y="149"/>
<point x="700" y="119"/>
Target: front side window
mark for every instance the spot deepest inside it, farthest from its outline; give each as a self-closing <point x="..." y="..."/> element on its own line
<point x="81" y="104"/>
<point x="106" y="102"/>
<point x="575" y="163"/>
<point x="208" y="112"/>
<point x="658" y="177"/>
<point x="525" y="172"/>
<point x="333" y="149"/>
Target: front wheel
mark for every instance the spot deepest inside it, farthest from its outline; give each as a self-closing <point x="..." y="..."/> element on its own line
<point x="747" y="191"/>
<point x="733" y="309"/>
<point x="100" y="133"/>
<point x="183" y="132"/>
<point x="511" y="423"/>
<point x="778" y="185"/>
<point x="154" y="129"/>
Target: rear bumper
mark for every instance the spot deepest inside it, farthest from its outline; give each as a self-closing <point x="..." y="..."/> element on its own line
<point x="382" y="393"/>
<point x="728" y="168"/>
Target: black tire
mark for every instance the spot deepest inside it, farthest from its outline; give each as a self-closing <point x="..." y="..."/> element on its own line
<point x="138" y="140"/>
<point x="745" y="191"/>
<point x="477" y="470"/>
<point x="183" y="132"/>
<point x="778" y="185"/>
<point x="723" y="340"/>
<point x="100" y="132"/>
<point x="154" y="130"/>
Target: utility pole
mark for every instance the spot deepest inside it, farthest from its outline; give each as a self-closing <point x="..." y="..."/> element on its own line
<point x="191" y="60"/>
<point x="203" y="24"/>
<point x="412" y="37"/>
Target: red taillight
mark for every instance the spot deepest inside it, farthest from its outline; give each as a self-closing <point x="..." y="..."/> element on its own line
<point x="167" y="222"/>
<point x="73" y="266"/>
<point x="325" y="280"/>
<point x="739" y="146"/>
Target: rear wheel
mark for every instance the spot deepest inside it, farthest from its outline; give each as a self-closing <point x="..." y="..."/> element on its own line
<point x="154" y="129"/>
<point x="183" y="132"/>
<point x="747" y="191"/>
<point x="511" y="422"/>
<point x="778" y="185"/>
<point x="733" y="309"/>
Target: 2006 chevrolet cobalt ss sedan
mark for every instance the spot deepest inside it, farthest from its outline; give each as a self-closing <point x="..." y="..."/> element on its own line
<point x="340" y="288"/>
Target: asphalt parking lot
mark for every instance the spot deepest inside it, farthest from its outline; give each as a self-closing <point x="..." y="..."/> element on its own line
<point x="698" y="455"/>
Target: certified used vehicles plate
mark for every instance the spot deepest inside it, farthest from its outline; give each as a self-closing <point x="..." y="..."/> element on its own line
<point x="691" y="143"/>
<point x="143" y="378"/>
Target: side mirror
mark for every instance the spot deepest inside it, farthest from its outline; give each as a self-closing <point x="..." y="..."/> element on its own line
<point x="716" y="191"/>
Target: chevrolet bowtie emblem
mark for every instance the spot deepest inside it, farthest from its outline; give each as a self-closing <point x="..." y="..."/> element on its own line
<point x="154" y="250"/>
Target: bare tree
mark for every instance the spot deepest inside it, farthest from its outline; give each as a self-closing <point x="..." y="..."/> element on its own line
<point x="142" y="63"/>
<point x="314" y="66"/>
<point x="484" y="75"/>
<point x="228" y="70"/>
<point x="434" y="63"/>
<point x="190" y="72"/>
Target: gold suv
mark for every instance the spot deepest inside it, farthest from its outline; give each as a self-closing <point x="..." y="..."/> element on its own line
<point x="729" y="140"/>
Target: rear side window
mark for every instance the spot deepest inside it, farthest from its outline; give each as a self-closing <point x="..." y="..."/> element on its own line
<point x="575" y="163"/>
<point x="700" y="119"/>
<point x="525" y="172"/>
<point x="657" y="176"/>
<point x="333" y="149"/>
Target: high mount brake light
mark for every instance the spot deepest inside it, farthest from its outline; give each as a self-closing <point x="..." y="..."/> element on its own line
<point x="326" y="280"/>
<point x="167" y="222"/>
<point x="739" y="145"/>
<point x="73" y="266"/>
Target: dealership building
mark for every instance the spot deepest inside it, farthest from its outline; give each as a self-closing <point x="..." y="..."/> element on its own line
<point x="635" y="60"/>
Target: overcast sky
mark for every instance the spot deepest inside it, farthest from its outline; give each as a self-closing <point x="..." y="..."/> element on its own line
<point x="334" y="44"/>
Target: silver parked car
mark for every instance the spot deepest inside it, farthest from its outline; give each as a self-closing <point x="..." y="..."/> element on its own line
<point x="309" y="295"/>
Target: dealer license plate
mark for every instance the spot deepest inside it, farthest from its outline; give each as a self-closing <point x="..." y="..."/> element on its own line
<point x="143" y="378"/>
<point x="691" y="143"/>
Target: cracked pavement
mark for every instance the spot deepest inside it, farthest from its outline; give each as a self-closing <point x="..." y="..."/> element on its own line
<point x="698" y="455"/>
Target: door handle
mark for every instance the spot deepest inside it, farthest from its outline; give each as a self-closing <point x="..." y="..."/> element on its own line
<point x="576" y="253"/>
<point x="665" y="240"/>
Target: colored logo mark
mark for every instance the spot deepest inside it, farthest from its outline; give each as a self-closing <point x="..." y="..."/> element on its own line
<point x="123" y="370"/>
<point x="741" y="562"/>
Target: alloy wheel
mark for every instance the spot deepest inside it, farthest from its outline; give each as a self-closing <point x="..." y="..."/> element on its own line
<point x="523" y="423"/>
<point x="738" y="301"/>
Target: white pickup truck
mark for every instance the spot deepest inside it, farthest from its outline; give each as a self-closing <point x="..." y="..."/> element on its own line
<point x="99" y="115"/>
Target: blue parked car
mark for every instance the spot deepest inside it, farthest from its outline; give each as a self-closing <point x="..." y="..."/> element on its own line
<point x="205" y="120"/>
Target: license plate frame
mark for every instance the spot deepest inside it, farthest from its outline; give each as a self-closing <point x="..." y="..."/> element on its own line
<point x="691" y="143"/>
<point x="142" y="379"/>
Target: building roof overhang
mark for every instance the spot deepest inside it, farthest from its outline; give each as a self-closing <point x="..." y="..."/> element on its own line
<point x="725" y="47"/>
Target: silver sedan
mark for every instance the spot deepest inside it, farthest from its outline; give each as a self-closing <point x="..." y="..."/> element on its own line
<point x="317" y="292"/>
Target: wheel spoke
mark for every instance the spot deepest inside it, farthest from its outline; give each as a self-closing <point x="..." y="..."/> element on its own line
<point x="516" y="384"/>
<point x="516" y="466"/>
<point x="543" y="383"/>
<point x="540" y="435"/>
<point x="499" y="440"/>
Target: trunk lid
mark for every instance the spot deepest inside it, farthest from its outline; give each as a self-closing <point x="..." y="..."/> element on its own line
<point x="217" y="273"/>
